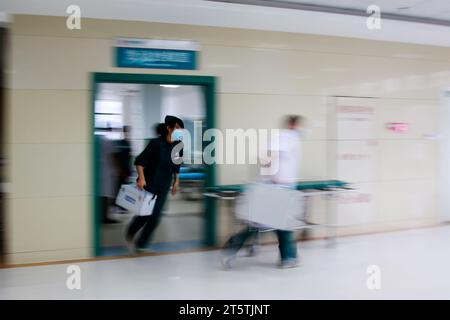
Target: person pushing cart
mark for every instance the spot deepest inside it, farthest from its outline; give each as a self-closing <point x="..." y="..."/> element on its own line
<point x="287" y="155"/>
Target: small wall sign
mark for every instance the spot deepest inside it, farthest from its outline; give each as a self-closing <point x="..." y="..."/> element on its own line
<point x="156" y="54"/>
<point x="398" y="126"/>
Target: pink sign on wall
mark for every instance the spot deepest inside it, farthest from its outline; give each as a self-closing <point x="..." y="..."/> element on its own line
<point x="398" y="126"/>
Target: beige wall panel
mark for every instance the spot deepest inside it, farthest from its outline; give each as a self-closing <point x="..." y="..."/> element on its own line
<point x="359" y="207"/>
<point x="353" y="161"/>
<point x="8" y="113"/>
<point x="268" y="71"/>
<point x="404" y="200"/>
<point x="107" y="29"/>
<point x="50" y="116"/>
<point x="50" y="170"/>
<point x="267" y="112"/>
<point x="351" y="118"/>
<point x="48" y="224"/>
<point x="384" y="160"/>
<point x="378" y="227"/>
<point x="312" y="166"/>
<point x="234" y="173"/>
<point x="65" y="63"/>
<point x="57" y="63"/>
<point x="380" y="206"/>
<point x="394" y="79"/>
<point x="422" y="116"/>
<point x="407" y="159"/>
<point x="48" y="256"/>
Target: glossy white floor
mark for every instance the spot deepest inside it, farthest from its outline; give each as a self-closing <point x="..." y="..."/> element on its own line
<point x="414" y="265"/>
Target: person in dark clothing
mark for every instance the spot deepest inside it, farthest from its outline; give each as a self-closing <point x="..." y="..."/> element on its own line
<point x="123" y="154"/>
<point x="157" y="172"/>
<point x="160" y="129"/>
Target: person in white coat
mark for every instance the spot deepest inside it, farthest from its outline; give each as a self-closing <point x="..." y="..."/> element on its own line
<point x="285" y="165"/>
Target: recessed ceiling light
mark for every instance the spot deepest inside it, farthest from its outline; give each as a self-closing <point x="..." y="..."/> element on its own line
<point x="169" y="85"/>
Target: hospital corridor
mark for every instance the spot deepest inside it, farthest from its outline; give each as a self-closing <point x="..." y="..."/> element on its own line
<point x="224" y="158"/>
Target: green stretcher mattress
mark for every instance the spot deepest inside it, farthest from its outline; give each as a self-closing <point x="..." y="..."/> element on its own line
<point x="302" y="185"/>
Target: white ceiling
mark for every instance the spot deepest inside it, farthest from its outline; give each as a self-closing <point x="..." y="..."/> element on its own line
<point x="431" y="9"/>
<point x="207" y="13"/>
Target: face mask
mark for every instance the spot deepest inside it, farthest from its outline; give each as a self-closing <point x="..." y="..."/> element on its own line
<point x="177" y="135"/>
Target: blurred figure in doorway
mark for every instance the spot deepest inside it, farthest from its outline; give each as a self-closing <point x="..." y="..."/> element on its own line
<point x="109" y="171"/>
<point x="123" y="154"/>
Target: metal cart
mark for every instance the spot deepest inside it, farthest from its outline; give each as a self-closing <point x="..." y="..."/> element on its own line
<point x="327" y="189"/>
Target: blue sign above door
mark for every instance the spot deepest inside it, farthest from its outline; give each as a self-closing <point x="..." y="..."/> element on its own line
<point x="156" y="54"/>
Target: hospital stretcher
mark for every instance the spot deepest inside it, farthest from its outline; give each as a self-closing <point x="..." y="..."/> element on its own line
<point x="327" y="189"/>
<point x="191" y="182"/>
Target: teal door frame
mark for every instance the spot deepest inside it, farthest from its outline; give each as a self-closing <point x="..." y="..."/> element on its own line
<point x="208" y="84"/>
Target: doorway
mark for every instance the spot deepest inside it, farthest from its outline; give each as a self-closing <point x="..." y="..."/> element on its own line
<point x="135" y="103"/>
